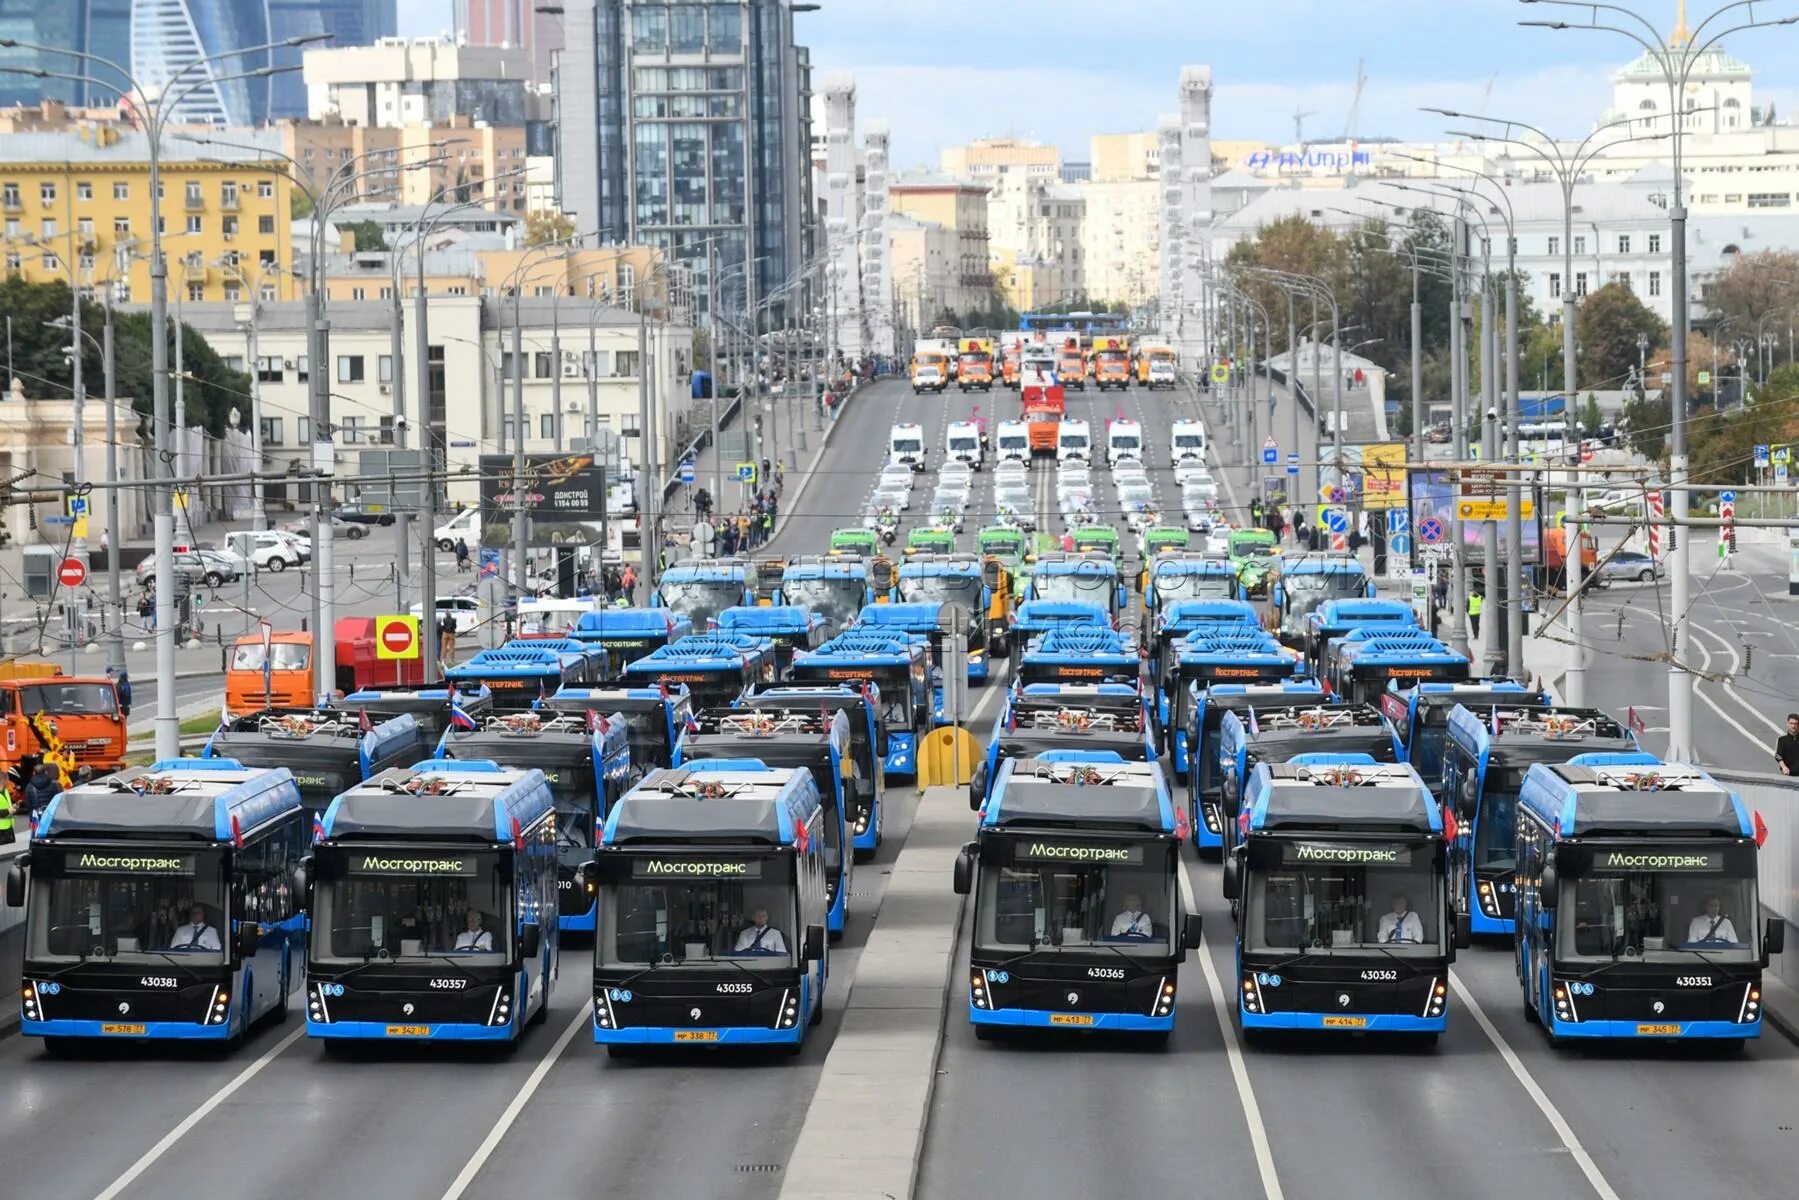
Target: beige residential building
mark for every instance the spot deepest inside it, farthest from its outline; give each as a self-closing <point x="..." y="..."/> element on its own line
<point x="960" y="210"/>
<point x="987" y="159"/>
<point x="926" y="271"/>
<point x="480" y="161"/>
<point x="1119" y="157"/>
<point x="1035" y="227"/>
<point x="1121" y="235"/>
<point x="612" y="273"/>
<point x="414" y="81"/>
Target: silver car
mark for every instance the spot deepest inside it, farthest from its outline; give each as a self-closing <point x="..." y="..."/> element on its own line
<point x="1629" y="566"/>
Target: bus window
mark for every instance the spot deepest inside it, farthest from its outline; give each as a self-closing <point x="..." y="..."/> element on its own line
<point x="98" y="913"/>
<point x="1125" y="906"/>
<point x="1662" y="916"/>
<point x="1324" y="907"/>
<point x="375" y="905"/>
<point x="1495" y="839"/>
<point x="699" y="919"/>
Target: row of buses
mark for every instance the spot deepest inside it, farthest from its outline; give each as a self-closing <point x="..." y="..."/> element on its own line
<point x="1374" y="808"/>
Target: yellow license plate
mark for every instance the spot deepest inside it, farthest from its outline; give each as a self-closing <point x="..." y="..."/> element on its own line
<point x="1070" y="1019"/>
<point x="1346" y="1022"/>
<point x="1658" y="1031"/>
<point x="125" y="1030"/>
<point x="696" y="1035"/>
<point x="409" y="1031"/>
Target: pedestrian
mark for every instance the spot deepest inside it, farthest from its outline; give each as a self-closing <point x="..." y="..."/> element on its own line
<point x="146" y="609"/>
<point x="1256" y="512"/>
<point x="1476" y="602"/>
<point x="1298" y="525"/>
<point x="462" y="560"/>
<point x="627" y="583"/>
<point x="1786" y="750"/>
<point x="446" y="638"/>
<point x="122" y="685"/>
<point x="6" y="810"/>
<point x="42" y="789"/>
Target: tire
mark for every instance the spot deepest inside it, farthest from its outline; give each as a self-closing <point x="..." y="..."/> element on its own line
<point x="277" y="564"/>
<point x="357" y="532"/>
<point x="618" y="1051"/>
<point x="1646" y="576"/>
<point x="818" y="1013"/>
<point x="446" y="545"/>
<point x="213" y="579"/>
<point x="1156" y="1039"/>
<point x="278" y="1014"/>
<point x="541" y="1015"/>
<point x="985" y="1033"/>
<point x="1426" y="1041"/>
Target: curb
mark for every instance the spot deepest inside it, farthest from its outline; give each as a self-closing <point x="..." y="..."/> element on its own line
<point x="789" y="504"/>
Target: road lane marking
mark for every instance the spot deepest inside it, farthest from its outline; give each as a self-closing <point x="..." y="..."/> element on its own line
<point x="199" y="1114"/>
<point x="1227" y="1028"/>
<point x="491" y="1142"/>
<point x="1735" y="662"/>
<point x="1705" y="662"/>
<point x="1544" y="1104"/>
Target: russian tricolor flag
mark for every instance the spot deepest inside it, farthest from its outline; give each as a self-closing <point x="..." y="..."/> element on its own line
<point x="459" y="717"/>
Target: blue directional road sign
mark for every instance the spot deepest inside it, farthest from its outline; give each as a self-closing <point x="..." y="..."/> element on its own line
<point x="1727" y="497"/>
<point x="746" y="472"/>
<point x="1271" y="451"/>
<point x="687" y="471"/>
<point x="1292" y="463"/>
<point x="1399" y="532"/>
<point x="77" y="505"/>
<point x="1336" y="520"/>
<point x="1761" y="457"/>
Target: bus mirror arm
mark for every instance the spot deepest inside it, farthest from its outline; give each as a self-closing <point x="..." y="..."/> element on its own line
<point x="964" y="880"/>
<point x="815" y="943"/>
<point x="1548" y="887"/>
<point x="15" y="883"/>
<point x="1192" y="929"/>
<point x="1774" y="933"/>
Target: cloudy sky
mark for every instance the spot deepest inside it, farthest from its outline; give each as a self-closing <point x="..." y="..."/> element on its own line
<point x="944" y="71"/>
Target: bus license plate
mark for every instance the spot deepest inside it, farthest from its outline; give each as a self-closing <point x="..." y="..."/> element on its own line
<point x="1070" y="1019"/>
<point x="1346" y="1022"/>
<point x="696" y="1035"/>
<point x="409" y="1031"/>
<point x="125" y="1030"/>
<point x="1658" y="1031"/>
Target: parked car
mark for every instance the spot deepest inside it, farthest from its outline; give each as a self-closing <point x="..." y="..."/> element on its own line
<point x="363" y="514"/>
<point x="1628" y="565"/>
<point x="210" y="567"/>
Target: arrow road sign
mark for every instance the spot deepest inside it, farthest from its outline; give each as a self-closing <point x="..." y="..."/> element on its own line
<point x="1336" y="520"/>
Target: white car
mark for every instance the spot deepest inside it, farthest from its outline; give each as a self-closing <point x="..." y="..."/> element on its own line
<point x="1074" y="475"/>
<point x="1191" y="467"/>
<point x="1128" y="464"/>
<point x="897" y="477"/>
<point x="962" y="443"/>
<point x="465" y="525"/>
<point x="1015" y="506"/>
<point x="1013" y="442"/>
<point x="1076" y="509"/>
<point x="959" y="472"/>
<point x="469" y="612"/>
<point x="271" y="550"/>
<point x="1187" y="439"/>
<point x="1138" y="503"/>
<point x="1011" y="469"/>
<point x="1074" y="441"/>
<point x="950" y="495"/>
<point x="888" y="496"/>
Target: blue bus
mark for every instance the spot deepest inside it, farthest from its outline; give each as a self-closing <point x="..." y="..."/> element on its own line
<point x="430" y="704"/>
<point x="161" y="904"/>
<point x="655" y="717"/>
<point x="1362" y="664"/>
<point x="1638" y="910"/>
<point x="700" y="589"/>
<point x="836" y="588"/>
<point x="1485" y="757"/>
<point x="1420" y="714"/>
<point x="1213" y="656"/>
<point x="1205" y="786"/>
<point x="1183" y="576"/>
<point x="1091" y="578"/>
<point x="819" y="742"/>
<point x="1303" y="582"/>
<point x="327" y="750"/>
<point x="928" y="581"/>
<point x="865" y="785"/>
<point x="1038" y="719"/>
<point x="1169" y="628"/>
<point x="712" y="885"/>
<point x="1279" y="733"/>
<point x="585" y="758"/>
<point x="1034" y="617"/>
<point x="1078" y="921"/>
<point x="1341" y="898"/>
<point x="924" y="620"/>
<point x="898" y="667"/>
<point x="1335" y="618"/>
<point x="785" y="628"/>
<point x="716" y="668"/>
<point x="1080" y="655"/>
<point x="433" y="906"/>
<point x="630" y="633"/>
<point x="1085" y="323"/>
<point x="523" y="672"/>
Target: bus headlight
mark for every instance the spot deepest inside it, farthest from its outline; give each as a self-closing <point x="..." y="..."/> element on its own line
<point x="602" y="1010"/>
<point x="1489" y="898"/>
<point x="1752" y="1005"/>
<point x="1564" y="1004"/>
<point x="1437" y="999"/>
<point x="977" y="989"/>
<point x="1252" y="994"/>
<point x="1209" y="810"/>
<point x="220" y="1007"/>
<point x="790" y="1009"/>
<point x="28" y="1002"/>
<point x="1164" y="998"/>
<point x="501" y="1013"/>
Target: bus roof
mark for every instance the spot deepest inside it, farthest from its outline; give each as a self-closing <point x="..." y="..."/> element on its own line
<point x="1349" y="613"/>
<point x="216" y="801"/>
<point x="916" y="617"/>
<point x="416" y="698"/>
<point x="1074" y="564"/>
<point x="1091" y="793"/>
<point x="1478" y="728"/>
<point x="705" y="571"/>
<point x="1667" y="799"/>
<point x="324" y="732"/>
<point x="514" y="658"/>
<point x="940" y="566"/>
<point x="632" y="623"/>
<point x="1340" y="796"/>
<point x="1065" y="612"/>
<point x="1192" y="614"/>
<point x="772" y="621"/>
<point x="747" y="802"/>
<point x="614" y="699"/>
<point x="826" y="568"/>
<point x="512" y="738"/>
<point x="442" y="798"/>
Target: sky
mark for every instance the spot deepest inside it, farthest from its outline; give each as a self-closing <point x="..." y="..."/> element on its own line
<point x="1064" y="70"/>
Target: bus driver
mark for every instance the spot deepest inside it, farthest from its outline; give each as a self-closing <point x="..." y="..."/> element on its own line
<point x="1402" y="924"/>
<point x="197" y="934"/>
<point x="759" y="937"/>
<point x="1712" y="925"/>
<point x="1132" y="921"/>
<point x="474" y="937"/>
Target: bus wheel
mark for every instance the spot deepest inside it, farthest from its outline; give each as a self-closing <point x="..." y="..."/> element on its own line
<point x="278" y="1014"/>
<point x="1728" y="1047"/>
<point x="1425" y="1041"/>
<point x="617" y="1051"/>
<point x="541" y="1015"/>
<point x="864" y="855"/>
<point x="1156" y="1039"/>
<point x="1209" y="853"/>
<point x="64" y="1047"/>
<point x="985" y="1033"/>
<point x="818" y="1013"/>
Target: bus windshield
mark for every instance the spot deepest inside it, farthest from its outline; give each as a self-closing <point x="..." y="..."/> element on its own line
<point x="1080" y="587"/>
<point x="1190" y="585"/>
<point x="1126" y="906"/>
<point x="576" y="794"/>
<point x="1661" y="903"/>
<point x="75" y="699"/>
<point x="656" y="916"/>
<point x="700" y="600"/>
<point x="128" y="905"/>
<point x="282" y="656"/>
<point x="1305" y="593"/>
<point x="941" y="589"/>
<point x="411" y="902"/>
<point x="1324" y="907"/>
<point x="838" y="601"/>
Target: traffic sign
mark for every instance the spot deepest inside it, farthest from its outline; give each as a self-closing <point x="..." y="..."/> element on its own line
<point x="1705" y="377"/>
<point x="1336" y="519"/>
<point x="1220" y="373"/>
<point x="746" y="473"/>
<point x="1399" y="544"/>
<point x="1761" y="457"/>
<point x="1398" y="521"/>
<point x="1781" y="454"/>
<point x="687" y="471"/>
<point x="71" y="572"/>
<point x="1727" y="497"/>
<point x="396" y="637"/>
<point x="1271" y="451"/>
<point x="77" y="505"/>
<point x="1430" y="531"/>
<point x="58" y="519"/>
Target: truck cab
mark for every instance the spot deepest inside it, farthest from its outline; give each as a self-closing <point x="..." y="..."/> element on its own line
<point x="1014" y="441"/>
<point x="1187" y="438"/>
<point x="1071" y="366"/>
<point x="930" y="372"/>
<point x="1124" y="439"/>
<point x="962" y="443"/>
<point x="1111" y="363"/>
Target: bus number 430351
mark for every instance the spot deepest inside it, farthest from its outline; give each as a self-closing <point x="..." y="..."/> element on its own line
<point x="1692" y="981"/>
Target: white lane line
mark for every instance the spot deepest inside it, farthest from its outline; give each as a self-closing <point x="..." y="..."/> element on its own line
<point x="1227" y="1028"/>
<point x="1705" y="663"/>
<point x="1736" y="661"/>
<point x="1544" y="1104"/>
<point x="492" y="1141"/>
<point x="199" y="1114"/>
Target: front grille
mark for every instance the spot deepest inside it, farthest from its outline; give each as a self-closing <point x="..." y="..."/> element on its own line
<point x="470" y="1005"/>
<point x="78" y="1003"/>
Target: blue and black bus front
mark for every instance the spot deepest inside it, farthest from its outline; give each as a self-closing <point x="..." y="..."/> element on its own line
<point x="1321" y="943"/>
<point x="420" y="942"/>
<point x="865" y="786"/>
<point x="679" y="958"/>
<point x="899" y="682"/>
<point x="1192" y="735"/>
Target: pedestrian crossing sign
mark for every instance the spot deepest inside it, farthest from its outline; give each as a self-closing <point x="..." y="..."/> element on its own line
<point x="746" y="473"/>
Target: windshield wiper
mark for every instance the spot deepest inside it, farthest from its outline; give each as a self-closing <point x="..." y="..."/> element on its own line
<point x="628" y="980"/>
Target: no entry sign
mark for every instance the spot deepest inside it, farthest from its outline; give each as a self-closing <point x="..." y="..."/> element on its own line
<point x="71" y="572"/>
<point x="396" y="637"/>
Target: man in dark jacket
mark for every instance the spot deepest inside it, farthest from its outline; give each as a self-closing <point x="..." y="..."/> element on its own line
<point x="42" y="789"/>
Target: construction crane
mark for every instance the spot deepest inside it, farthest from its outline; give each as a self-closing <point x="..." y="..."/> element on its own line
<point x="1349" y="126"/>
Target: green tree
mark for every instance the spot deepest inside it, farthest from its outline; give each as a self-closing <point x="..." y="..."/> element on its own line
<point x="367" y="234"/>
<point x="1590" y="418"/>
<point x="1607" y="326"/>
<point x="299" y="204"/>
<point x="542" y="227"/>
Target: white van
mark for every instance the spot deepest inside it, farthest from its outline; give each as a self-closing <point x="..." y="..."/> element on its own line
<point x="905" y="447"/>
<point x="465" y="525"/>
<point x="1124" y="439"/>
<point x="1189" y="438"/>
<point x="962" y="443"/>
<point x="1074" y="441"/>
<point x="1014" y="442"/>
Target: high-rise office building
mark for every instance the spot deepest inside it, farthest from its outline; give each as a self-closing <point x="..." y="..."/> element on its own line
<point x="514" y="24"/>
<point x="154" y="40"/>
<point x="686" y="127"/>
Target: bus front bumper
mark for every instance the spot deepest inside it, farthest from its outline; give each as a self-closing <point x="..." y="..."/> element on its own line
<point x="189" y="1031"/>
<point x="1037" y="1018"/>
<point x="1350" y="1023"/>
<point x="1655" y="1031"/>
<point x="383" y="1031"/>
<point x="662" y="1035"/>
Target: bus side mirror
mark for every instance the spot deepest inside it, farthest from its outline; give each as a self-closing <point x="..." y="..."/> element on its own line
<point x="1774" y="935"/>
<point x="1192" y="929"/>
<point x="1231" y="881"/>
<point x="815" y="943"/>
<point x="15" y="885"/>
<point x="530" y="941"/>
<point x="249" y="939"/>
<point x="1547" y="888"/>
<point x="965" y="869"/>
<point x="977" y="786"/>
<point x="1464" y="931"/>
<point x="1279" y="594"/>
<point x="1468" y="794"/>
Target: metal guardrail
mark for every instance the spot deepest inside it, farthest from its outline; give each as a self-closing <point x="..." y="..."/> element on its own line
<point x="1776" y="798"/>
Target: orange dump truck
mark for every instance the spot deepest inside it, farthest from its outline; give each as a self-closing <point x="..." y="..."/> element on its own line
<point x="1044" y="406"/>
<point x="1111" y="362"/>
<point x="73" y="719"/>
<point x="1071" y="365"/>
<point x="287" y="681"/>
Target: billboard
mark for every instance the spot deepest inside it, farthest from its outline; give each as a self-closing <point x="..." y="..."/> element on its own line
<point x="563" y="495"/>
<point x="1383" y="475"/>
<point x="1433" y="500"/>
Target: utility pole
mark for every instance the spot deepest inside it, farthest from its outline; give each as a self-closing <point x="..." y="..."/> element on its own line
<point x="428" y="445"/>
<point x="646" y="539"/>
<point x="1514" y="518"/>
<point x="115" y="641"/>
<point x="1458" y="373"/>
<point x="396" y="331"/>
<point x="521" y="567"/>
<point x="712" y="334"/>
